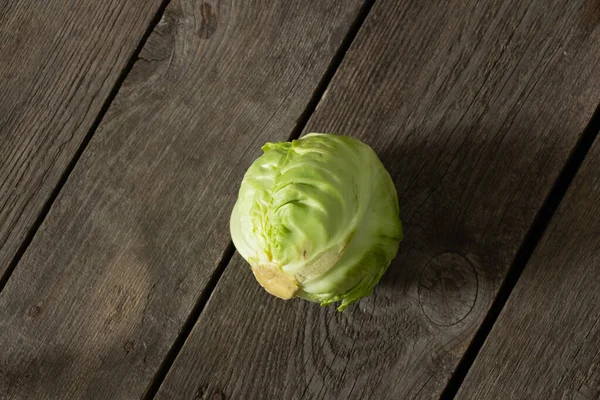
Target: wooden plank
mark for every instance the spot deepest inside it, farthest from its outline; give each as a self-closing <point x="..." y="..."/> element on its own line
<point x="59" y="61"/>
<point x="142" y="222"/>
<point x="474" y="108"/>
<point x="546" y="342"/>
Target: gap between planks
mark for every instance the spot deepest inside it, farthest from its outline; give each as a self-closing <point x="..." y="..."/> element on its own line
<point x="71" y="166"/>
<point x="302" y="121"/>
<point x="530" y="242"/>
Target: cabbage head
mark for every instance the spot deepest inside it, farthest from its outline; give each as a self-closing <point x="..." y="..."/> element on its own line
<point x="317" y="218"/>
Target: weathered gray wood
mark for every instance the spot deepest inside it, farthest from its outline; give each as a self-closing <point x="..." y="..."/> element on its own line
<point x="140" y="226"/>
<point x="59" y="61"/>
<point x="474" y="108"/>
<point x="546" y="342"/>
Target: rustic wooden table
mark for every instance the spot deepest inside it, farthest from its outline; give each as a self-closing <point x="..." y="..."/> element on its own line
<point x="125" y="129"/>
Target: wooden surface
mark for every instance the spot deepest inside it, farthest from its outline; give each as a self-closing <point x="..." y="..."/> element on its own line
<point x="546" y="342"/>
<point x="474" y="108"/>
<point x="59" y="61"/>
<point x="141" y="224"/>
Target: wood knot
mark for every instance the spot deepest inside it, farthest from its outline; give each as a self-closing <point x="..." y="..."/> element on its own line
<point x="448" y="289"/>
<point x="128" y="346"/>
<point x="33" y="311"/>
<point x="204" y="393"/>
<point x="208" y="25"/>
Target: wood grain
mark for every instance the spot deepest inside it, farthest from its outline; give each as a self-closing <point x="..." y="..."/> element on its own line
<point x="546" y="342"/>
<point x="141" y="224"/>
<point x="59" y="61"/>
<point x="474" y="108"/>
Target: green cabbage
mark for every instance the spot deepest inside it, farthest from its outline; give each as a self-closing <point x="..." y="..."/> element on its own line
<point x="317" y="218"/>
